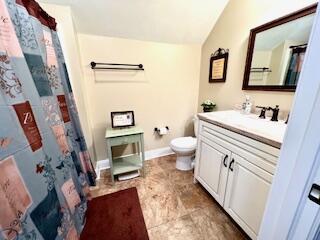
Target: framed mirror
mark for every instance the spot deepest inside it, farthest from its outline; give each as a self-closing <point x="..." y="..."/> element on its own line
<point x="276" y="52"/>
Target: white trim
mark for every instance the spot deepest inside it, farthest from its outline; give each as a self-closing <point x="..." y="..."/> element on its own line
<point x="159" y="152"/>
<point x="101" y="165"/>
<point x="151" y="154"/>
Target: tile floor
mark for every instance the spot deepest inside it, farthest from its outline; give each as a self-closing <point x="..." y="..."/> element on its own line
<point x="173" y="207"/>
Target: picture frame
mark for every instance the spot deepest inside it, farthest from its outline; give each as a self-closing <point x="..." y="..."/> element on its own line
<point x="122" y="119"/>
<point x="218" y="66"/>
<point x="252" y="41"/>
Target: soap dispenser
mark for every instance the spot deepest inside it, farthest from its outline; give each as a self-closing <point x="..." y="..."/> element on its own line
<point x="247" y="105"/>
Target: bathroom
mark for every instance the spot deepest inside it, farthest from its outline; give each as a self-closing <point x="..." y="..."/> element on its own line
<point x="167" y="106"/>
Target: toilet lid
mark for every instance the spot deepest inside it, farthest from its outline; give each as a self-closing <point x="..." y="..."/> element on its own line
<point x="184" y="143"/>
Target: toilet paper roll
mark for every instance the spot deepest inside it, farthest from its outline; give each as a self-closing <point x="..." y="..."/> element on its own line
<point x="163" y="131"/>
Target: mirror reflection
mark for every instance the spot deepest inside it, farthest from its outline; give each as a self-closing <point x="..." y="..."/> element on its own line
<point x="279" y="53"/>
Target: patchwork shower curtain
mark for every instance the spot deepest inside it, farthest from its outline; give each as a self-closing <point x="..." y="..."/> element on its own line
<point x="45" y="168"/>
<point x="295" y="66"/>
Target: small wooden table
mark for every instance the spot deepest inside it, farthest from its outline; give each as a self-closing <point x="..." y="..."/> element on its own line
<point x="124" y="164"/>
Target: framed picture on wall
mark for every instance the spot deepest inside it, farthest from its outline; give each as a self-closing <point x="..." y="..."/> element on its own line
<point x="122" y="119"/>
<point x="218" y="66"/>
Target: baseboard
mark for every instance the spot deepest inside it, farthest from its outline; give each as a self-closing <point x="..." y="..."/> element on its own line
<point x="159" y="152"/>
<point x="102" y="165"/>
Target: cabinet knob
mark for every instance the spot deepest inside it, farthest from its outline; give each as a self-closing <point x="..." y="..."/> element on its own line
<point x="231" y="165"/>
<point x="225" y="160"/>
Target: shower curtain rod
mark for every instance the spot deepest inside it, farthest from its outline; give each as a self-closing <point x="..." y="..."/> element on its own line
<point x="139" y="67"/>
<point x="301" y="45"/>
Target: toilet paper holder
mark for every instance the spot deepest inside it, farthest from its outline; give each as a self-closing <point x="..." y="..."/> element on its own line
<point x="158" y="129"/>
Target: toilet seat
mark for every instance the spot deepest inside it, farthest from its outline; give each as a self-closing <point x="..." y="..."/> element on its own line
<point x="184" y="144"/>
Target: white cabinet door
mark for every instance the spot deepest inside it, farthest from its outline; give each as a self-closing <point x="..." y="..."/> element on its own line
<point x="246" y="195"/>
<point x="212" y="169"/>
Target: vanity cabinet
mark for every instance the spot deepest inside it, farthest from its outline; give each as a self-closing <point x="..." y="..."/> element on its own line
<point x="246" y="194"/>
<point x="213" y="171"/>
<point x="237" y="171"/>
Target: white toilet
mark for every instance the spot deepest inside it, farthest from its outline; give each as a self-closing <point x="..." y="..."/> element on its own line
<point x="185" y="148"/>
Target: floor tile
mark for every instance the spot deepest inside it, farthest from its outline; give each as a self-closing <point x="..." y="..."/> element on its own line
<point x="152" y="167"/>
<point x="167" y="163"/>
<point x="173" y="206"/>
<point x="180" y="229"/>
<point x="177" y="176"/>
<point x="153" y="184"/>
<point x="193" y="197"/>
<point x="161" y="208"/>
<point x="213" y="224"/>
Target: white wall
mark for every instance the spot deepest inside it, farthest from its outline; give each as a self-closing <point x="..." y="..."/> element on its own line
<point x="232" y="31"/>
<point x="165" y="94"/>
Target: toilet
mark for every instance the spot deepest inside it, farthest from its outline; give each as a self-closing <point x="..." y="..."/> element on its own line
<point x="185" y="148"/>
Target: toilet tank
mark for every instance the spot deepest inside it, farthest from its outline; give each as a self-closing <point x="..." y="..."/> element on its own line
<point x="195" y="124"/>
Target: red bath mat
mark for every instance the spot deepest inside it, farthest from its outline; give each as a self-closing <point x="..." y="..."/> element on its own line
<point x="116" y="216"/>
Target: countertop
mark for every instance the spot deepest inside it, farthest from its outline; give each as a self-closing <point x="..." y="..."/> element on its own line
<point x="249" y="125"/>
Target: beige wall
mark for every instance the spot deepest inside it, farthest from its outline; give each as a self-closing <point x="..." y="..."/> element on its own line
<point x="165" y="94"/>
<point x="276" y="65"/>
<point x="168" y="92"/>
<point x="260" y="59"/>
<point x="232" y="31"/>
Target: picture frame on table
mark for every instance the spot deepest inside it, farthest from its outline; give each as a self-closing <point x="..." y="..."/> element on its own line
<point x="121" y="119"/>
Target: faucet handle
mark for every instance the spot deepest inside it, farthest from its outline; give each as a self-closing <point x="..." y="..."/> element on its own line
<point x="261" y="107"/>
<point x="286" y="122"/>
<point x="275" y="113"/>
<point x="263" y="112"/>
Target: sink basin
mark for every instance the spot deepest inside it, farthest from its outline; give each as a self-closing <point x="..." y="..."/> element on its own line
<point x="250" y="123"/>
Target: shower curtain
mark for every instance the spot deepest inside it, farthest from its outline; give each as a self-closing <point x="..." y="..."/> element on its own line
<point x="45" y="168"/>
<point x="295" y="65"/>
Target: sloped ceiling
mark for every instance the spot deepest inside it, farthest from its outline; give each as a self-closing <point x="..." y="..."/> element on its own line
<point x="171" y="21"/>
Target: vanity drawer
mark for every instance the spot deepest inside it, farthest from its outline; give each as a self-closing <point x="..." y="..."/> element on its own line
<point x="124" y="140"/>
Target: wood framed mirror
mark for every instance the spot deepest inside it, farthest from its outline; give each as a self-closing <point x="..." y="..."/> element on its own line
<point x="276" y="51"/>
